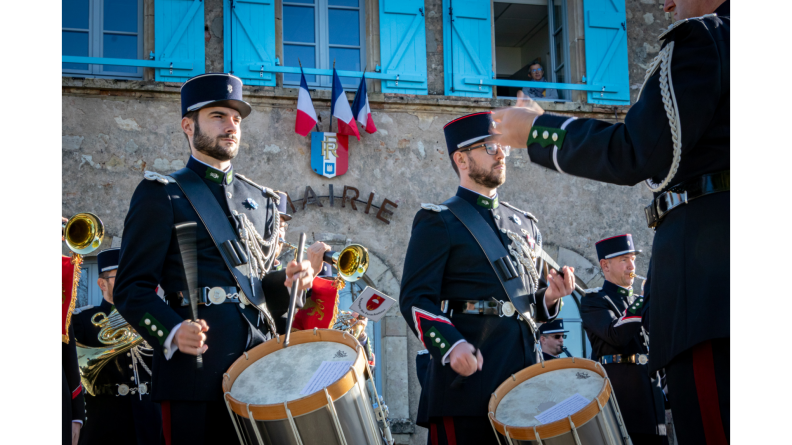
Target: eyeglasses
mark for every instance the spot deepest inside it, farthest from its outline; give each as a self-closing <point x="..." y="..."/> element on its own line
<point x="558" y="336"/>
<point x="492" y="149"/>
<point x="536" y="70"/>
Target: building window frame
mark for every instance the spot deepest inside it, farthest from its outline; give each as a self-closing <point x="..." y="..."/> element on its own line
<point x="322" y="44"/>
<point x="96" y="33"/>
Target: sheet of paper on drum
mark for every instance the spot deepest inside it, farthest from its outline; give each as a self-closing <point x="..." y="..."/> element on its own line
<point x="566" y="408"/>
<point x="325" y="376"/>
<point x="372" y="304"/>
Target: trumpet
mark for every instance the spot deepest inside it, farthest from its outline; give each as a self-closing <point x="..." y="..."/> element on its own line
<point x="635" y="275"/>
<point x="352" y="261"/>
<point x="83" y="233"/>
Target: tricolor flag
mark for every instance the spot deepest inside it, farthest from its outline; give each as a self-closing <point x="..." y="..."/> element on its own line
<point x="306" y="114"/>
<point x="361" y="109"/>
<point x="340" y="109"/>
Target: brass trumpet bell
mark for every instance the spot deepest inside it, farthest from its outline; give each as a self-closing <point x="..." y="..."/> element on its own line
<point x="352" y="262"/>
<point x="83" y="233"/>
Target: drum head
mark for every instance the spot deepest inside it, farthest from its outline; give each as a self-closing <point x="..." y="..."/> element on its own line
<point x="279" y="377"/>
<point x="542" y="392"/>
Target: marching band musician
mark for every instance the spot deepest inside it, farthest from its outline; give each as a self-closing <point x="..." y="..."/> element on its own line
<point x="72" y="393"/>
<point x="238" y="293"/>
<point x="612" y="318"/>
<point x="676" y="138"/>
<point x="551" y="337"/>
<point x="121" y="412"/>
<point x="453" y="300"/>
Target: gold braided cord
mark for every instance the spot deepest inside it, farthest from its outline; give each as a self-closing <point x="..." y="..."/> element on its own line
<point x="76" y="259"/>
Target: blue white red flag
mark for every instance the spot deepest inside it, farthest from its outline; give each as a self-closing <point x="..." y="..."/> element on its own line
<point x="329" y="154"/>
<point x="306" y="114"/>
<point x="339" y="107"/>
<point x="361" y="109"/>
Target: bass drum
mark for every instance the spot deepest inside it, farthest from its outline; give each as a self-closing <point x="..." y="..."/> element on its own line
<point x="539" y="388"/>
<point x="262" y="391"/>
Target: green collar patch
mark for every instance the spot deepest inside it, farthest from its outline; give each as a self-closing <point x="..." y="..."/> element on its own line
<point x="230" y="176"/>
<point x="545" y="136"/>
<point x="488" y="203"/>
<point x="622" y="291"/>
<point x="217" y="176"/>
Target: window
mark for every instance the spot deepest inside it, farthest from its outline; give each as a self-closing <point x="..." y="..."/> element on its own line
<point x="88" y="291"/>
<point x="318" y="33"/>
<point x="531" y="45"/>
<point x="102" y="28"/>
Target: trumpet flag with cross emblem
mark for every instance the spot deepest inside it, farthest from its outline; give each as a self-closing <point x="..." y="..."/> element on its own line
<point x="329" y="154"/>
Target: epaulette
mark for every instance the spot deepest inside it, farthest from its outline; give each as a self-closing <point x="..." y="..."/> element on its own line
<point x="433" y="207"/>
<point x="593" y="290"/>
<point x="267" y="191"/>
<point x="154" y="176"/>
<point x="83" y="308"/>
<point x="527" y="214"/>
<point x="679" y="23"/>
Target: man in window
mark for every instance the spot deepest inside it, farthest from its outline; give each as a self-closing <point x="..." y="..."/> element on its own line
<point x="612" y="320"/>
<point x="551" y="337"/>
<point x="537" y="75"/>
<point x="454" y="297"/>
<point x="121" y="410"/>
<point x="676" y="139"/>
<point x="238" y="296"/>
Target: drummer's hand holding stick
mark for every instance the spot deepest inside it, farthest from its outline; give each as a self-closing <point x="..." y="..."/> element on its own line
<point x="559" y="285"/>
<point x="190" y="337"/>
<point x="299" y="277"/>
<point x="513" y="124"/>
<point x="466" y="359"/>
<point x="316" y="256"/>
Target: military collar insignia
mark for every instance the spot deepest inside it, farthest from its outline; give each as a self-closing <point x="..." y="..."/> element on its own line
<point x="616" y="289"/>
<point x="218" y="176"/>
<point x="516" y="219"/>
<point x="487" y="203"/>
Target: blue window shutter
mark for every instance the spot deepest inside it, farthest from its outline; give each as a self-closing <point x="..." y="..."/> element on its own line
<point x="468" y="47"/>
<point x="249" y="39"/>
<point x="179" y="37"/>
<point x="403" y="44"/>
<point x="605" y="27"/>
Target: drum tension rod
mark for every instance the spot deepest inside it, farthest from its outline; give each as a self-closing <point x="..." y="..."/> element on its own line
<point x="538" y="439"/>
<point x="246" y="356"/>
<point x="514" y="378"/>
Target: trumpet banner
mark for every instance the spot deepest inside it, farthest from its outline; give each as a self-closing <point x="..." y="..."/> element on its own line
<point x="321" y="307"/>
<point x="70" y="277"/>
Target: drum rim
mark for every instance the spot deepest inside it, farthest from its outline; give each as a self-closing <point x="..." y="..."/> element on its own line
<point x="558" y="427"/>
<point x="303" y="405"/>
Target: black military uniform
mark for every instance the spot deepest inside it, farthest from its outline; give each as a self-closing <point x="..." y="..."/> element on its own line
<point x="552" y="327"/>
<point x="447" y="292"/>
<point x="612" y="320"/>
<point x="121" y="411"/>
<point x="72" y="393"/>
<point x="689" y="276"/>
<point x="192" y="400"/>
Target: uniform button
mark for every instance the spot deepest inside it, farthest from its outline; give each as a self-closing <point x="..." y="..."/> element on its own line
<point x="159" y="333"/>
<point x="132" y="378"/>
<point x="130" y="366"/>
<point x="228" y="195"/>
<point x="497" y="217"/>
<point x="535" y="133"/>
<point x="148" y="322"/>
<point x="432" y="334"/>
<point x="555" y="137"/>
<point x="129" y="354"/>
<point x="442" y="345"/>
<point x="545" y="135"/>
<point x="437" y="340"/>
<point x="154" y="328"/>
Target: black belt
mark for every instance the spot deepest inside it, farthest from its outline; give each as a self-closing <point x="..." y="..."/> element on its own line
<point x="206" y="295"/>
<point x="683" y="193"/>
<point x="479" y="307"/>
<point x="635" y="359"/>
<point x="120" y="389"/>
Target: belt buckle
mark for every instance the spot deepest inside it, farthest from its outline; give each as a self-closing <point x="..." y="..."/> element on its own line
<point x="123" y="389"/>
<point x="217" y="295"/>
<point x="642" y="359"/>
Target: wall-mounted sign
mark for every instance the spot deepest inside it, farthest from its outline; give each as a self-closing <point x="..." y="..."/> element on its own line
<point x="329" y="154"/>
<point x="351" y="195"/>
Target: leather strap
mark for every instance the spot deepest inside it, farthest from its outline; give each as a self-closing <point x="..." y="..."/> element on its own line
<point x="635" y="359"/>
<point x="497" y="255"/>
<point x="181" y="298"/>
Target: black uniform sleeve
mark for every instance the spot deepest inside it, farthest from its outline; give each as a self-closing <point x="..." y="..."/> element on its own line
<point x="277" y="295"/>
<point x="72" y="372"/>
<point x="422" y="280"/>
<point x="600" y="320"/>
<point x="148" y="230"/>
<point x="628" y="153"/>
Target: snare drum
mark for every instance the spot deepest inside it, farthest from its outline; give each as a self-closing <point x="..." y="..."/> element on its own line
<point x="262" y="390"/>
<point x="538" y="388"/>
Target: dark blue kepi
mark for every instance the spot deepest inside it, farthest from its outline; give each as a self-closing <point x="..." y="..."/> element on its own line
<point x="552" y="327"/>
<point x="213" y="90"/>
<point x="467" y="130"/>
<point x="616" y="246"/>
<point x="108" y="259"/>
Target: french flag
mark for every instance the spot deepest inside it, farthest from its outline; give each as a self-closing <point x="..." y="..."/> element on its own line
<point x="340" y="109"/>
<point x="361" y="109"/>
<point x="306" y="114"/>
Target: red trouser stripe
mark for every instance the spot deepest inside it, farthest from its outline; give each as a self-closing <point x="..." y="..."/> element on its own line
<point x="707" y="389"/>
<point x="166" y="421"/>
<point x="433" y="433"/>
<point x="448" y="424"/>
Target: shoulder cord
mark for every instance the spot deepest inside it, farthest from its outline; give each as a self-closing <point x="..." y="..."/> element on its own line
<point x="261" y="261"/>
<point x="525" y="255"/>
<point x="663" y="60"/>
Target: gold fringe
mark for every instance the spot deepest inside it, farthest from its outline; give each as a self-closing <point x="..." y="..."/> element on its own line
<point x="77" y="260"/>
<point x="335" y="311"/>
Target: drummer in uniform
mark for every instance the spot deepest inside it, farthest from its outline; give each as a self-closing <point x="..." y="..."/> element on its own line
<point x="230" y="319"/>
<point x="551" y="337"/>
<point x="675" y="137"/>
<point x="612" y="318"/>
<point x="453" y="300"/>
<point x="121" y="411"/>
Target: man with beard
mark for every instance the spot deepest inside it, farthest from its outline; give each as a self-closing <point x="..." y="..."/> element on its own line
<point x="462" y="292"/>
<point x="239" y="295"/>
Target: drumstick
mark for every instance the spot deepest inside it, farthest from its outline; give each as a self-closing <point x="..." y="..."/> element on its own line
<point x="293" y="297"/>
<point x="185" y="234"/>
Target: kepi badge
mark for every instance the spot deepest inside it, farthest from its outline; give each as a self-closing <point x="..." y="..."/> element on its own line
<point x="329" y="154"/>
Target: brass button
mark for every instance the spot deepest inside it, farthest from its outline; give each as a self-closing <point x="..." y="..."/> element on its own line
<point x="555" y="137"/>
<point x="545" y="135"/>
<point x="228" y="195"/>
